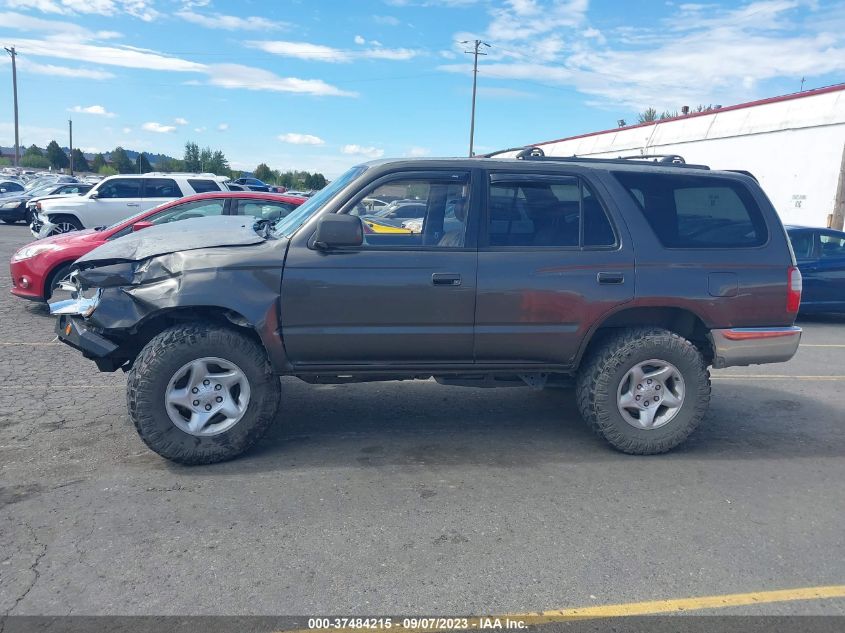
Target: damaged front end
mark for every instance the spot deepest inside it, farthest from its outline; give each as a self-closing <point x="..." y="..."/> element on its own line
<point x="126" y="292"/>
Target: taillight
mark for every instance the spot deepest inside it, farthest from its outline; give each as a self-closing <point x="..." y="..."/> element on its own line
<point x="793" y="290"/>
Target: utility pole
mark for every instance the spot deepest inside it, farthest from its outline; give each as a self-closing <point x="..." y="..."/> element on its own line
<point x="838" y="216"/>
<point x="13" y="55"/>
<point x="477" y="44"/>
<point x="70" y="132"/>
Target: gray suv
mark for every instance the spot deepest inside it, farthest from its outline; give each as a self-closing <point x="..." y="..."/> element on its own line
<point x="626" y="279"/>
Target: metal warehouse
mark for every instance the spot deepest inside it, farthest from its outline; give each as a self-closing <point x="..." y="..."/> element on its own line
<point x="793" y="144"/>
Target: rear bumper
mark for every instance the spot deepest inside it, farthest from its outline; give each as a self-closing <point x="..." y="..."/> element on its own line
<point x="754" y="346"/>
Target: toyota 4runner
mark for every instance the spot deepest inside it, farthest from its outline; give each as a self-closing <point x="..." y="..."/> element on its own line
<point x="627" y="278"/>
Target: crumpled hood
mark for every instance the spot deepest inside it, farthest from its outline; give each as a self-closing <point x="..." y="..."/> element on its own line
<point x="183" y="235"/>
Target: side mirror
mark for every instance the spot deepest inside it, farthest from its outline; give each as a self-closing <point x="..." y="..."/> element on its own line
<point x="93" y="195"/>
<point x="138" y="226"/>
<point x="335" y="231"/>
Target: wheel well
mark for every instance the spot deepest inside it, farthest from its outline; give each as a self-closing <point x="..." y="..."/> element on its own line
<point x="51" y="277"/>
<point x="149" y="328"/>
<point x="678" y="320"/>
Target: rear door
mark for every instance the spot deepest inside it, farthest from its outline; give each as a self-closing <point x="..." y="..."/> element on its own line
<point x="158" y="191"/>
<point x="550" y="264"/>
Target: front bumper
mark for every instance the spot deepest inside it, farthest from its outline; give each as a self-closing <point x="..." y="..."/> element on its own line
<point x="72" y="330"/>
<point x="41" y="226"/>
<point x="754" y="346"/>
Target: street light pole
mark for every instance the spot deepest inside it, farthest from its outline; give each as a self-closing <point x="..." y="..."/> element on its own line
<point x="475" y="53"/>
<point x="14" y="55"/>
<point x="70" y="133"/>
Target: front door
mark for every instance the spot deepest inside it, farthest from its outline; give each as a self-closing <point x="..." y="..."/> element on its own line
<point x="404" y="298"/>
<point x="116" y="199"/>
<point x="549" y="266"/>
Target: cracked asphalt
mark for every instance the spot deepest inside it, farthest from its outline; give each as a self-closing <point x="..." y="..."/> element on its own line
<point x="412" y="497"/>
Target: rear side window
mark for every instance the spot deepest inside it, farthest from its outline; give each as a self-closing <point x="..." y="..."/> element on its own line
<point x="203" y="186"/>
<point x="161" y="188"/>
<point x="832" y="246"/>
<point x="688" y="211"/>
<point x="558" y="211"/>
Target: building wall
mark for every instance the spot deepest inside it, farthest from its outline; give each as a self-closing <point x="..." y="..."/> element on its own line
<point x="793" y="145"/>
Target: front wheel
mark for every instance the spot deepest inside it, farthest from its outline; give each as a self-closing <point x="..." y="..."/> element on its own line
<point x="200" y="394"/>
<point x="644" y="390"/>
<point x="65" y="224"/>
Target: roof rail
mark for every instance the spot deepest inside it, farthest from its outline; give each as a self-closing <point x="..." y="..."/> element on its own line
<point x="662" y="160"/>
<point x="675" y="159"/>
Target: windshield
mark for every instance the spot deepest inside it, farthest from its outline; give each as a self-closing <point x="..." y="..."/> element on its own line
<point x="42" y="190"/>
<point x="288" y="226"/>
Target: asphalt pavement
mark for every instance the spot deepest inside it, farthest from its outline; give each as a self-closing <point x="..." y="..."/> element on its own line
<point x="413" y="497"/>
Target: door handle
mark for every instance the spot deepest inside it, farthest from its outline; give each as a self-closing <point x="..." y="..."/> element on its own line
<point x="446" y="279"/>
<point x="131" y="204"/>
<point x="610" y="278"/>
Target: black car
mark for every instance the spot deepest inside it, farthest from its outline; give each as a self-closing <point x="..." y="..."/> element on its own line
<point x="13" y="208"/>
<point x="253" y="184"/>
<point x="820" y="254"/>
<point x="597" y="273"/>
<point x="10" y="187"/>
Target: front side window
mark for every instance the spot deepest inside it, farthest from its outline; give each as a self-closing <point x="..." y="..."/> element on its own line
<point x="203" y="186"/>
<point x="560" y="211"/>
<point x="186" y="211"/>
<point x="429" y="211"/>
<point x="161" y="188"/>
<point x="264" y="209"/>
<point x="120" y="188"/>
<point x="687" y="211"/>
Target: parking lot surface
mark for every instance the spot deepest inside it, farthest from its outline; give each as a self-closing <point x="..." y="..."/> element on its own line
<point x="413" y="497"/>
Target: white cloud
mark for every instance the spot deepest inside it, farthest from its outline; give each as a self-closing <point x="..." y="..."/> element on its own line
<point x="141" y="9"/>
<point x="180" y="121"/>
<point x="200" y="130"/>
<point x="127" y="130"/>
<point x="318" y="52"/>
<point x="386" y="20"/>
<point x="300" y="139"/>
<point x="53" y="29"/>
<point x="152" y="126"/>
<point x="223" y="127"/>
<point x="97" y="110"/>
<point x="231" y="22"/>
<point x="28" y="65"/>
<point x="237" y="76"/>
<point x="360" y="150"/>
<point x="360" y="40"/>
<point x="417" y="152"/>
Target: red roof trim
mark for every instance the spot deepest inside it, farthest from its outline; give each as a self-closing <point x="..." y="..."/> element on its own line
<point x="739" y="106"/>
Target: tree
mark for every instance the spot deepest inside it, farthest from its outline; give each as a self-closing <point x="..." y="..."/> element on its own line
<point x="170" y="164"/>
<point x="647" y="116"/>
<point x="33" y="150"/>
<point x="56" y="155"/>
<point x="105" y="170"/>
<point x="121" y="162"/>
<point x="217" y="164"/>
<point x="80" y="163"/>
<point x="34" y="161"/>
<point x="98" y="162"/>
<point x="262" y="172"/>
<point x="144" y="163"/>
<point x="192" y="157"/>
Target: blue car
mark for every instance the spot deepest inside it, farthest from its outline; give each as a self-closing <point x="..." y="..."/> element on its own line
<point x="820" y="254"/>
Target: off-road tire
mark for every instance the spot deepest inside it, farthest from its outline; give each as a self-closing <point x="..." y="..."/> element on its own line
<point x="600" y="376"/>
<point x="172" y="349"/>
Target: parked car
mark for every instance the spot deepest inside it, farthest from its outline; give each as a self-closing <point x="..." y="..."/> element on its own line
<point x="820" y="254"/>
<point x="10" y="187"/>
<point x="39" y="267"/>
<point x="116" y="198"/>
<point x="253" y="184"/>
<point x="15" y="208"/>
<point x="562" y="269"/>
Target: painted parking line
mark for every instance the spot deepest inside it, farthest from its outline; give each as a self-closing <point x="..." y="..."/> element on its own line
<point x="820" y="345"/>
<point x="774" y="377"/>
<point x="64" y="386"/>
<point x="651" y="607"/>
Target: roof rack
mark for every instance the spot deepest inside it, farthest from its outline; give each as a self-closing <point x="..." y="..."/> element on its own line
<point x="534" y="153"/>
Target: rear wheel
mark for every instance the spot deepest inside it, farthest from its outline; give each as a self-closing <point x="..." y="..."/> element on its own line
<point x="200" y="394"/>
<point x="644" y="390"/>
<point x="65" y="224"/>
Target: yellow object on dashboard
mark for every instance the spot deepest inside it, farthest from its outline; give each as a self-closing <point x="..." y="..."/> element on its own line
<point x="385" y="228"/>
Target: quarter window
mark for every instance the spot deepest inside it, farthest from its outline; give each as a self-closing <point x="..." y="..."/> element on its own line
<point x="419" y="212"/>
<point x="264" y="209"/>
<point x="546" y="212"/>
<point x="697" y="211"/>
<point x="203" y="186"/>
<point x="161" y="188"/>
<point x="120" y="188"/>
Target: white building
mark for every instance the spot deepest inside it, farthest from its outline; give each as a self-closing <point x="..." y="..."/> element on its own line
<point x="793" y="144"/>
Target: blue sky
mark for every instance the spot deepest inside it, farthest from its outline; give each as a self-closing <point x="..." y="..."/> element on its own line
<point x="324" y="84"/>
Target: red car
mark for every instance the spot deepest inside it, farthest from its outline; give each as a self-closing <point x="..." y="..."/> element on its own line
<point x="38" y="267"/>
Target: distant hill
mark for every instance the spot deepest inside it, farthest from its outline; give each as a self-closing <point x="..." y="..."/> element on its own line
<point x="153" y="158"/>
